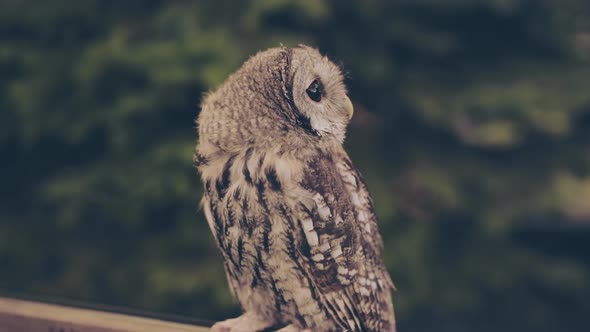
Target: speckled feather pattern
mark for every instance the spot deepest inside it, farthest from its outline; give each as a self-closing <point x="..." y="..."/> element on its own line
<point x="290" y="213"/>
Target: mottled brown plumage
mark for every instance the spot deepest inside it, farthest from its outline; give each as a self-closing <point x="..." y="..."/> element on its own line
<point x="291" y="215"/>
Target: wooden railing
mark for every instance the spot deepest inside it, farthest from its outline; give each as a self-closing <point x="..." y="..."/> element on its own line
<point x="30" y="316"/>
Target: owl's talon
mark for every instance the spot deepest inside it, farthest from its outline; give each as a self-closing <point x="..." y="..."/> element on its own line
<point x="247" y="322"/>
<point x="220" y="327"/>
<point x="291" y="328"/>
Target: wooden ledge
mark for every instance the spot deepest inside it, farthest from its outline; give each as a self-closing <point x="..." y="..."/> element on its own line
<point x="27" y="316"/>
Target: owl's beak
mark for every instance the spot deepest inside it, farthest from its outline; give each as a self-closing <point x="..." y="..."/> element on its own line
<point x="348" y="106"/>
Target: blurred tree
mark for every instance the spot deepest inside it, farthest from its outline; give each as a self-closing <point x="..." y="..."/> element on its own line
<point x="472" y="128"/>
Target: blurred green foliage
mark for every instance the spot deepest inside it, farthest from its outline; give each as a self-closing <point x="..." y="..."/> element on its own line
<point x="472" y="128"/>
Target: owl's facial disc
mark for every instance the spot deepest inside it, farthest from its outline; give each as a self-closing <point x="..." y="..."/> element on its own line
<point x="319" y="92"/>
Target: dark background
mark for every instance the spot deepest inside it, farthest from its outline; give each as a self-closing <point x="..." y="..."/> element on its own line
<point x="472" y="128"/>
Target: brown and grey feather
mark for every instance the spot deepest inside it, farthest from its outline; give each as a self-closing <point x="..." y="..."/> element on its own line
<point x="291" y="215"/>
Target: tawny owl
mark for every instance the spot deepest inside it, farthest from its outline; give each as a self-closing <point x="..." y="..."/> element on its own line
<point x="290" y="213"/>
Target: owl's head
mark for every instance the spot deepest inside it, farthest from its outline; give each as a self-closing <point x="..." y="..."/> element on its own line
<point x="281" y="95"/>
<point x="319" y="93"/>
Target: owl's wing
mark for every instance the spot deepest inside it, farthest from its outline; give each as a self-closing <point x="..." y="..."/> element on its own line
<point x="341" y="246"/>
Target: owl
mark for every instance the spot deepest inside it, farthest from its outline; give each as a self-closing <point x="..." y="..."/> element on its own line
<point x="289" y="211"/>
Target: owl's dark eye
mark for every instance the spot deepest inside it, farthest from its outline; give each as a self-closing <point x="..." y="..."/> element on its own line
<point x="315" y="91"/>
